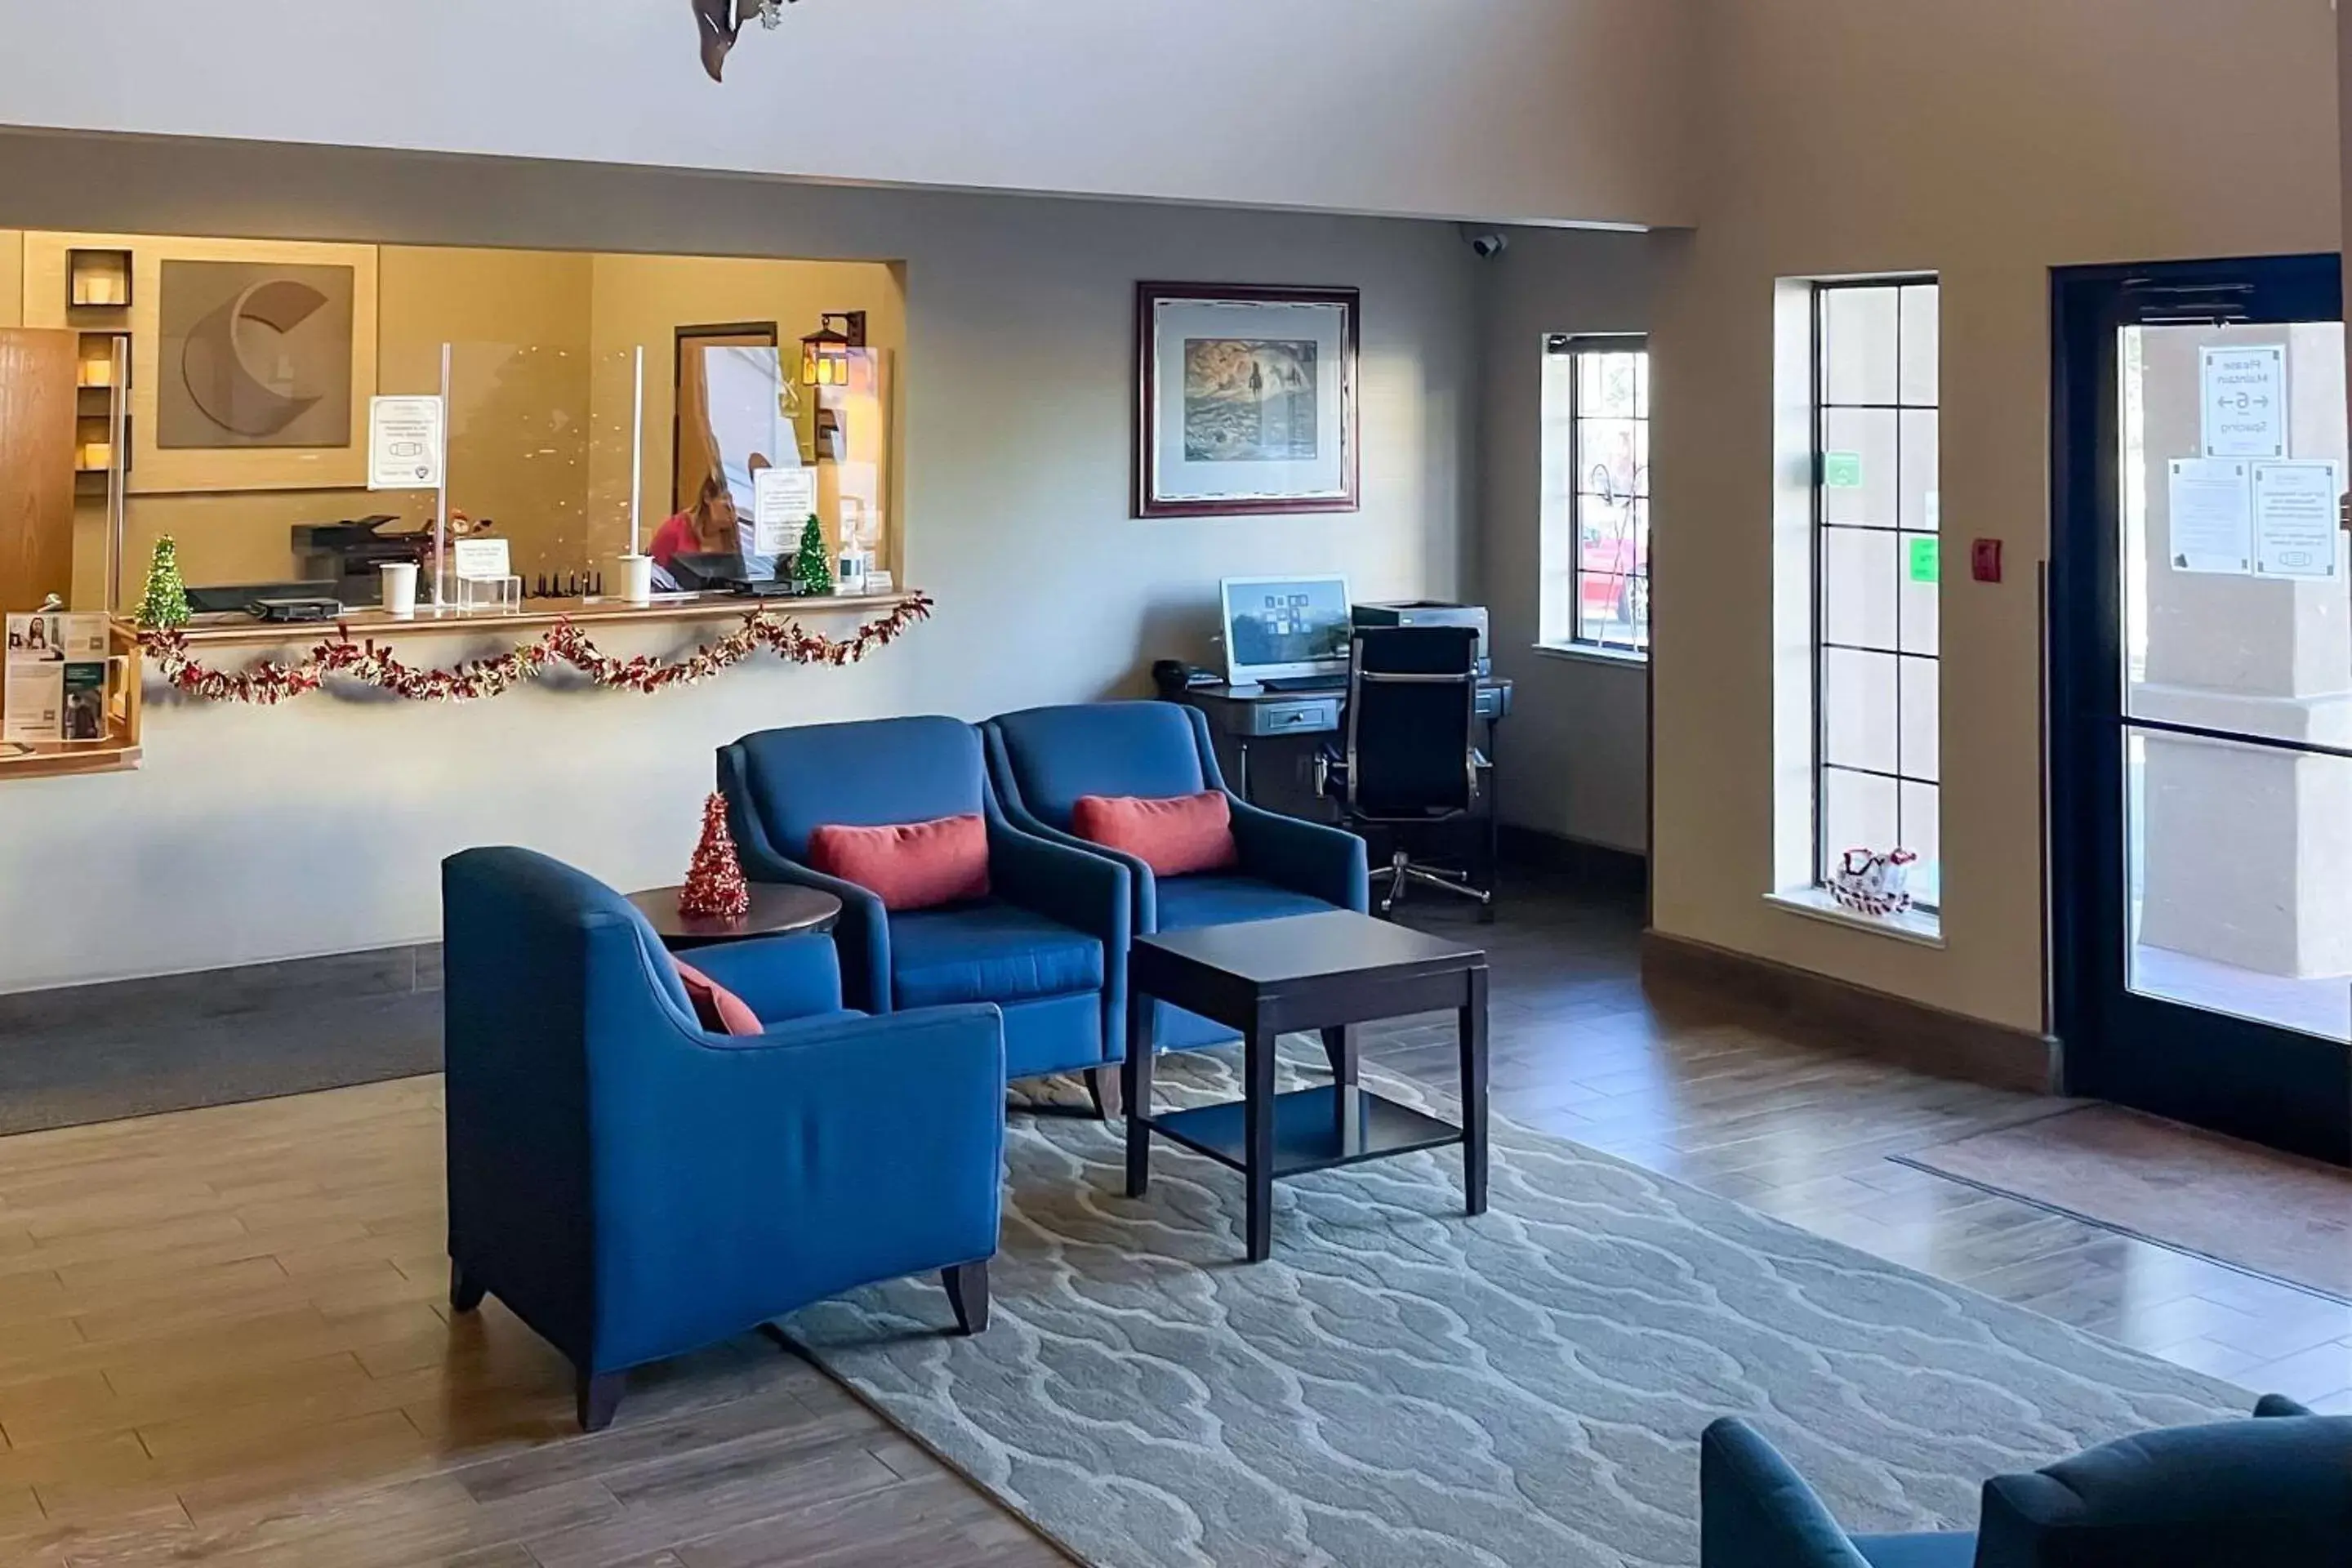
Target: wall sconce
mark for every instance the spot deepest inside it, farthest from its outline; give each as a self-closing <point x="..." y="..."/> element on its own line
<point x="824" y="354"/>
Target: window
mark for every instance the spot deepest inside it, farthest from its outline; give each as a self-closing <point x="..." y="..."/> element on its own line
<point x="1596" y="495"/>
<point x="1876" y="571"/>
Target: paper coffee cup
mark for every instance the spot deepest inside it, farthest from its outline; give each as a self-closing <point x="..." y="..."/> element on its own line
<point x="637" y="578"/>
<point x="399" y="586"/>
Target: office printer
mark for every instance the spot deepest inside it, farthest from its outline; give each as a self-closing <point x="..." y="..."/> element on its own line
<point x="347" y="553"/>
<point x="1432" y="612"/>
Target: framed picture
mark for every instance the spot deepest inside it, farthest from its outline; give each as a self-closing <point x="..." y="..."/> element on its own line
<point x="1245" y="400"/>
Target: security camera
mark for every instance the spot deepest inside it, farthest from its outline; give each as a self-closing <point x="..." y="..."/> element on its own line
<point x="1488" y="243"/>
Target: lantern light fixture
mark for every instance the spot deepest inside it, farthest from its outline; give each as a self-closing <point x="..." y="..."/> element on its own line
<point x="825" y="353"/>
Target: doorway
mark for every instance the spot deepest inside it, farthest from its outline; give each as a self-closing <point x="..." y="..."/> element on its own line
<point x="2201" y="696"/>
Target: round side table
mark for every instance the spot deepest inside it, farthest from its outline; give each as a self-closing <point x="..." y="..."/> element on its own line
<point x="778" y="909"/>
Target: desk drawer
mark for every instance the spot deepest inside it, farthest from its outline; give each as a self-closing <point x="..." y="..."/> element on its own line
<point x="1304" y="716"/>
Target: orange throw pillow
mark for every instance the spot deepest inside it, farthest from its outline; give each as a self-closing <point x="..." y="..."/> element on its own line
<point x="908" y="864"/>
<point x="1174" y="836"/>
<point x="720" y="1010"/>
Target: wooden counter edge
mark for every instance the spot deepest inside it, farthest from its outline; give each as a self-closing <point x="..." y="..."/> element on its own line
<point x="362" y="624"/>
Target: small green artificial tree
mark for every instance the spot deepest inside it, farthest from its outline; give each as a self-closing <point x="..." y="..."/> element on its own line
<point x="813" y="567"/>
<point x="165" y="603"/>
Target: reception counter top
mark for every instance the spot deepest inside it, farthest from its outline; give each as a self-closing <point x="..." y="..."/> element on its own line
<point x="535" y="615"/>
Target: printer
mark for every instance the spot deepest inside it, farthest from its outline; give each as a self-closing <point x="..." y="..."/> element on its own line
<point x="1432" y="612"/>
<point x="347" y="554"/>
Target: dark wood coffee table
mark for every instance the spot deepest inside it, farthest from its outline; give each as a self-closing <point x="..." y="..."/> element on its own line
<point x="778" y="909"/>
<point x="1326" y="971"/>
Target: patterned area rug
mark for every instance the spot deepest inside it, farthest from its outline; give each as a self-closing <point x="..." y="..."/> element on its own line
<point x="1403" y="1385"/>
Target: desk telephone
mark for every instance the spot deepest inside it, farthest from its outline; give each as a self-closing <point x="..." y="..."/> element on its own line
<point x="1172" y="677"/>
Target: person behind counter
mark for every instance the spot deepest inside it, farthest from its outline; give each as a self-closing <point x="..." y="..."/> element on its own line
<point x="708" y="529"/>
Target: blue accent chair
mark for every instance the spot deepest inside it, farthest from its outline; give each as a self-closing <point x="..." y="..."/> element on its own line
<point x="633" y="1187"/>
<point x="1043" y="759"/>
<point x="1049" y="945"/>
<point x="2276" y="1490"/>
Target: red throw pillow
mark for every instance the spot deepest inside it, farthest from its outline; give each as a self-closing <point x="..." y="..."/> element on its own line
<point x="722" y="1011"/>
<point x="1182" y="833"/>
<point x="908" y="864"/>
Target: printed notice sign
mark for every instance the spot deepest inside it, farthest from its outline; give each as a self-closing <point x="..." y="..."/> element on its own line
<point x="2212" y="516"/>
<point x="782" y="501"/>
<point x="2245" y="400"/>
<point x="2294" y="518"/>
<point x="48" y="649"/>
<point x="480" y="560"/>
<point x="1842" y="471"/>
<point x="1927" y="558"/>
<point x="403" y="443"/>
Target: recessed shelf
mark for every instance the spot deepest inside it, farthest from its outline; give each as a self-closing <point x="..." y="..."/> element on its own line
<point x="95" y="366"/>
<point x="98" y="279"/>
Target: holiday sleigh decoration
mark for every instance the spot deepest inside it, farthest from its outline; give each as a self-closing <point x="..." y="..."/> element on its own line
<point x="1870" y="883"/>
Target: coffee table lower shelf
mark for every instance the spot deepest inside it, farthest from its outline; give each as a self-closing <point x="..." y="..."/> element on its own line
<point x="1313" y="1130"/>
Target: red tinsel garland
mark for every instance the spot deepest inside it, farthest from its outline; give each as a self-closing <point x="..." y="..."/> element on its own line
<point x="372" y="664"/>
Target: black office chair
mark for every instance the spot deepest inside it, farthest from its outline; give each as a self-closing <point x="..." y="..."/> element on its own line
<point x="1406" y="763"/>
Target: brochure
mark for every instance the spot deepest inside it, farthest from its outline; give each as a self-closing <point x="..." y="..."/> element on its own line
<point x="34" y="696"/>
<point x="54" y="687"/>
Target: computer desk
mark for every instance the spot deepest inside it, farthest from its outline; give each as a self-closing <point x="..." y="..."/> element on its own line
<point x="1248" y="714"/>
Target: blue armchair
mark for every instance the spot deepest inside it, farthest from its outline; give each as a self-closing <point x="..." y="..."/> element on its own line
<point x="2276" y="1491"/>
<point x="1049" y="945"/>
<point x="1043" y="759"/>
<point x="633" y="1187"/>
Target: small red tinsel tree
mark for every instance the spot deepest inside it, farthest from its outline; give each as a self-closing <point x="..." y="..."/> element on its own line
<point x="714" y="882"/>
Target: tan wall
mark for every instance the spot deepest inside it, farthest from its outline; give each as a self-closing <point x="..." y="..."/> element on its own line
<point x="517" y="325"/>
<point x="1986" y="142"/>
<point x="11" y="278"/>
<point x="537" y="369"/>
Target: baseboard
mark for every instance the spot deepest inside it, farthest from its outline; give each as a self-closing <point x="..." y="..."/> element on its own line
<point x="165" y="999"/>
<point x="1599" y="865"/>
<point x="1872" y="1022"/>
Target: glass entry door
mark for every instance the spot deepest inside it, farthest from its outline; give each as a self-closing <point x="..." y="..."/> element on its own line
<point x="2202" y="620"/>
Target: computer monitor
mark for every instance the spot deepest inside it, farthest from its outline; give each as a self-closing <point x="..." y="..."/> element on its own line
<point x="1285" y="628"/>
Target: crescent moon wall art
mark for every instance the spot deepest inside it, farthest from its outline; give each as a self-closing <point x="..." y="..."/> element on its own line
<point x="254" y="354"/>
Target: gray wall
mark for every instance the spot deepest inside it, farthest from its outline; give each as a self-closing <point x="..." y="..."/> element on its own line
<point x="1014" y="515"/>
<point x="1566" y="110"/>
<point x="1574" y="757"/>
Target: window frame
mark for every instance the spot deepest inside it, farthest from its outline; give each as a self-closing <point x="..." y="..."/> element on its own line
<point x="1573" y="346"/>
<point x="1818" y="291"/>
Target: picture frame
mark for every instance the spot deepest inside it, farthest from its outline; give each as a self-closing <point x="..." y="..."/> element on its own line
<point x="1246" y="400"/>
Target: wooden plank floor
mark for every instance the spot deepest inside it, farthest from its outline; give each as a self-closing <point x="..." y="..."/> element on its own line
<point x="222" y="1336"/>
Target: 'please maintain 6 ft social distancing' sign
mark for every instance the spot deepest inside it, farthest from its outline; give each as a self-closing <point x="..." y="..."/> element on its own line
<point x="2245" y="400"/>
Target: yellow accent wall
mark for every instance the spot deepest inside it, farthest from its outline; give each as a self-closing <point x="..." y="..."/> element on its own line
<point x="541" y="403"/>
<point x="515" y="322"/>
<point x="644" y="299"/>
<point x="12" y="276"/>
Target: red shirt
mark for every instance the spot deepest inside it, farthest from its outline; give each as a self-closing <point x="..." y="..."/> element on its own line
<point x="672" y="539"/>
